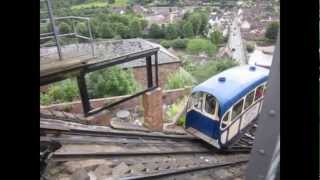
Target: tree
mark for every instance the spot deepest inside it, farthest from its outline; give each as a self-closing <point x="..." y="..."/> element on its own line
<point x="82" y="29"/>
<point x="272" y="31"/>
<point x="122" y="30"/>
<point x="135" y="28"/>
<point x="201" y="45"/>
<point x="171" y="32"/>
<point x="187" y="29"/>
<point x="113" y="81"/>
<point x="195" y="20"/>
<point x="64" y="28"/>
<point x="216" y="37"/>
<point x="204" y="23"/>
<point x="105" y="31"/>
<point x="155" y="31"/>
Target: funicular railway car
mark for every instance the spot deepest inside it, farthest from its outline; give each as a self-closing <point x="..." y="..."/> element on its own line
<point x="220" y="109"/>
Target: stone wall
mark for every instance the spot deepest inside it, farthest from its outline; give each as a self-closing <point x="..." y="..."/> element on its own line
<point x="169" y="97"/>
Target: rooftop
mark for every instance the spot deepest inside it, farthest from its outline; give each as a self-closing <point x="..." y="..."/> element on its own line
<point x="78" y="55"/>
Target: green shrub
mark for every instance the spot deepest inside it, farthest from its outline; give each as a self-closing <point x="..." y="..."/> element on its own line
<point x="156" y="31"/>
<point x="182" y="121"/>
<point x="202" y="72"/>
<point x="272" y="31"/>
<point x="165" y="43"/>
<point x="179" y="79"/>
<point x="250" y="47"/>
<point x="196" y="46"/>
<point x="179" y="43"/>
<point x="216" y="37"/>
<point x="64" y="91"/>
<point x="64" y="28"/>
<point x="113" y="81"/>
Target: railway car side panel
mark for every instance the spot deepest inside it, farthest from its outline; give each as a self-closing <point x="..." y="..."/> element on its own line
<point x="203" y="124"/>
<point x="250" y="115"/>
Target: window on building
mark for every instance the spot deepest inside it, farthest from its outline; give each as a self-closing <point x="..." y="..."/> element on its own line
<point x="249" y="100"/>
<point x="210" y="104"/>
<point x="259" y="92"/>
<point x="237" y="109"/>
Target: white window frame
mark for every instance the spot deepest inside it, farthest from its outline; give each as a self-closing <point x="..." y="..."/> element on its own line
<point x="245" y="99"/>
<point x="231" y="108"/>
<point x="227" y="122"/>
<point x="211" y="116"/>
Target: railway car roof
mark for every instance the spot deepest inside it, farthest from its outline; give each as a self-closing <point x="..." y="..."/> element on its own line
<point x="237" y="82"/>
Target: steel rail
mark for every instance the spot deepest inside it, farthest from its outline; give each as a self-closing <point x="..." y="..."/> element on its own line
<point x="78" y="156"/>
<point x="182" y="171"/>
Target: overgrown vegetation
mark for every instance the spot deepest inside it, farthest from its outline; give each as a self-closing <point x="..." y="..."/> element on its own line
<point x="272" y="31"/>
<point x="113" y="81"/>
<point x="179" y="79"/>
<point x="196" y="46"/>
<point x="173" y="110"/>
<point x="176" y="43"/>
<point x="250" y="47"/>
<point x="64" y="91"/>
<point x="103" y="83"/>
<point x="202" y="72"/>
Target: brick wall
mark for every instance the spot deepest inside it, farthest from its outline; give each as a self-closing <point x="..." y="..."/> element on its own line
<point x="169" y="97"/>
<point x="140" y="73"/>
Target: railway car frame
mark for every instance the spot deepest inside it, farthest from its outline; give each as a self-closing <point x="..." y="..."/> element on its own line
<point x="223" y="107"/>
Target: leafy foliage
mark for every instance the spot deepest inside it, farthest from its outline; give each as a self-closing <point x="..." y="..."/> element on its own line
<point x="63" y="91"/>
<point x="156" y="32"/>
<point x="111" y="82"/>
<point x="198" y="45"/>
<point x="187" y="29"/>
<point x="202" y="72"/>
<point x="64" y="28"/>
<point x="179" y="79"/>
<point x="171" y="31"/>
<point x="250" y="47"/>
<point x="179" y="43"/>
<point x="105" y="31"/>
<point x="216" y="37"/>
<point x="165" y="43"/>
<point x="272" y="31"/>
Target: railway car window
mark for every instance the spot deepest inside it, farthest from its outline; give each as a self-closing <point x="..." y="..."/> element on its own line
<point x="259" y="92"/>
<point x="249" y="100"/>
<point x="197" y="100"/>
<point x="264" y="89"/>
<point x="237" y="109"/>
<point x="225" y="120"/>
<point x="210" y="104"/>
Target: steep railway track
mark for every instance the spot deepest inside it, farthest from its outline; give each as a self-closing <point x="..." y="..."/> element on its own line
<point x="137" y="155"/>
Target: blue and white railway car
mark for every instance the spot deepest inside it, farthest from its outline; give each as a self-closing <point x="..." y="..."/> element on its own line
<point x="223" y="106"/>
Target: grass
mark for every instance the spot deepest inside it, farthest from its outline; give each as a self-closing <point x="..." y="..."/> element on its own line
<point x="89" y="5"/>
<point x="120" y="3"/>
<point x="99" y="4"/>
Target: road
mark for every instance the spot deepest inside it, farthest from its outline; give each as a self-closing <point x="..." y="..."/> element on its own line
<point x="235" y="44"/>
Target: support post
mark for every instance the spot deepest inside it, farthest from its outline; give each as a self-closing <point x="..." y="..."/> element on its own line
<point x="83" y="94"/>
<point x="149" y="71"/>
<point x="156" y="68"/>
<point x="265" y="155"/>
<point x="54" y="28"/>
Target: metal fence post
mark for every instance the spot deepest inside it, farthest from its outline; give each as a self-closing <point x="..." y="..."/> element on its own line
<point x="54" y="28"/>
<point x="265" y="155"/>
